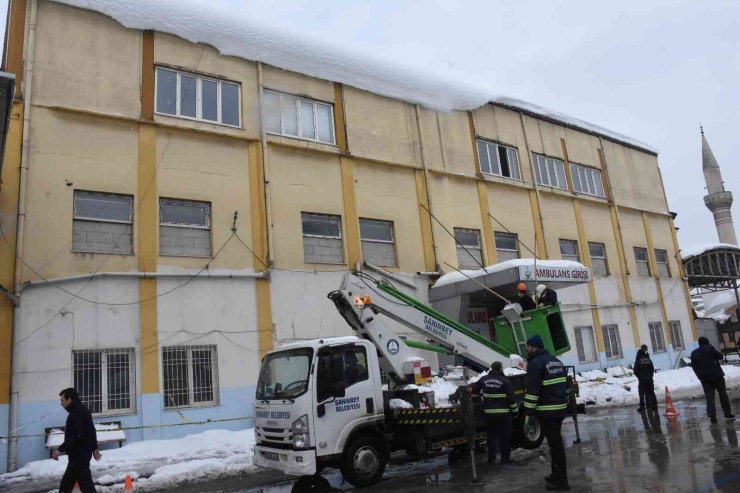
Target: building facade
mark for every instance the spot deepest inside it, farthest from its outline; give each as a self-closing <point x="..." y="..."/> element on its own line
<point x="177" y="213"/>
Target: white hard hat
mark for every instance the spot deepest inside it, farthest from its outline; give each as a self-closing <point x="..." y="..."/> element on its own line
<point x="540" y="288"/>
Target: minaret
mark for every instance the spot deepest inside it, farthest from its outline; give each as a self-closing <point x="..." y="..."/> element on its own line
<point x="717" y="200"/>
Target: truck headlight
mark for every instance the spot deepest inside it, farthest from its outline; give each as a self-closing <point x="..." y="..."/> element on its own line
<point x="300" y="432"/>
<point x="300" y="441"/>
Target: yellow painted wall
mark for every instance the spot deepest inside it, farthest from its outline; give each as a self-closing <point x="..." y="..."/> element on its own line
<point x="633" y="233"/>
<point x="381" y="128"/>
<point x="298" y="84"/>
<point x="634" y="177"/>
<point x="73" y="65"/>
<point x="660" y="229"/>
<point x="302" y="181"/>
<point x="582" y="148"/>
<point x="598" y="226"/>
<point x="456" y="144"/>
<point x="560" y="222"/>
<point x="93" y="153"/>
<point x="511" y="206"/>
<point x="389" y="193"/>
<point x="213" y="169"/>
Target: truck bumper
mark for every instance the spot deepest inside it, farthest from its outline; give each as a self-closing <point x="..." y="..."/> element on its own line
<point x="293" y="462"/>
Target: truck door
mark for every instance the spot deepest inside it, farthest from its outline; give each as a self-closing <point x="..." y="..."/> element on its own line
<point x="358" y="404"/>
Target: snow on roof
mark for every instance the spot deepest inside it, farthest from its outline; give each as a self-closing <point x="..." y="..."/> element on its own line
<point x="695" y="250"/>
<point x="720" y="305"/>
<point x="453" y="277"/>
<point x="233" y="33"/>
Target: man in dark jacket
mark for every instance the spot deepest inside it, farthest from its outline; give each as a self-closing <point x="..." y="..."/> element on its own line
<point x="524" y="300"/>
<point x="645" y="371"/>
<point x="547" y="400"/>
<point x="80" y="444"/>
<point x="705" y="362"/>
<point x="499" y="404"/>
<point x="545" y="296"/>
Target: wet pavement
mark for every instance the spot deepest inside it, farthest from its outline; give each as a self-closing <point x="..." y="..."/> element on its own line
<point x="620" y="450"/>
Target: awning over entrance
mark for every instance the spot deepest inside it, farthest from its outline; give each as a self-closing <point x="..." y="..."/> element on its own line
<point x="713" y="267"/>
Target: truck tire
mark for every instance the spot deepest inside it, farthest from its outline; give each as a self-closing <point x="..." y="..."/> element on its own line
<point x="364" y="461"/>
<point x="532" y="438"/>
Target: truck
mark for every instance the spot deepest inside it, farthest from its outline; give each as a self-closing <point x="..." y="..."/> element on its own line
<point x="322" y="403"/>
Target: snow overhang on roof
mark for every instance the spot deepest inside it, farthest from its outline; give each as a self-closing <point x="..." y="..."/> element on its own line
<point x="233" y="33"/>
<point x="712" y="266"/>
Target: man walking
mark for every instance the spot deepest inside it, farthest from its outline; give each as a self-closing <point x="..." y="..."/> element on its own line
<point x="645" y="371"/>
<point x="547" y="400"/>
<point x="499" y="404"/>
<point x="705" y="363"/>
<point x="80" y="444"/>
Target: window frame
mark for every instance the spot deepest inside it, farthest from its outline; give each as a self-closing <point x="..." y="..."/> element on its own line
<point x="215" y="385"/>
<point x="675" y="328"/>
<point x="516" y="242"/>
<point x="589" y="172"/>
<point x="104" y="394"/>
<point x="385" y="242"/>
<point x="592" y="257"/>
<point x="607" y="331"/>
<point x="198" y="96"/>
<point x="538" y="171"/>
<point x="299" y="100"/>
<point x="667" y="263"/>
<point x="578" y="250"/>
<point x="495" y="145"/>
<point x="460" y="245"/>
<point x="595" y="350"/>
<point x="185" y="202"/>
<point x="328" y="352"/>
<point x="646" y="261"/>
<point x="322" y="236"/>
<point x="98" y="219"/>
<point x="655" y="330"/>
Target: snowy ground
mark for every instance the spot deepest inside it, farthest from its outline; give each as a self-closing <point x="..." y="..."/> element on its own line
<point x="165" y="463"/>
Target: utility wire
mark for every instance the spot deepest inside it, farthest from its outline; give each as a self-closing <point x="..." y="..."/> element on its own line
<point x="516" y="236"/>
<point x="453" y="237"/>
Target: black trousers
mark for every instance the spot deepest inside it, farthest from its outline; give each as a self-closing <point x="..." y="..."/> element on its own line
<point x="551" y="428"/>
<point x="498" y="429"/>
<point x="77" y="473"/>
<point x="646" y="389"/>
<point x="710" y="386"/>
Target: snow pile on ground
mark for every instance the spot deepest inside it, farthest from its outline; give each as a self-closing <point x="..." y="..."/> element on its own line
<point x="466" y="274"/>
<point x="165" y="463"/>
<point x="400" y="404"/>
<point x="605" y="389"/>
<point x="106" y="433"/>
<point x="443" y="388"/>
<point x="695" y="250"/>
<point x="722" y="307"/>
<point x="233" y="33"/>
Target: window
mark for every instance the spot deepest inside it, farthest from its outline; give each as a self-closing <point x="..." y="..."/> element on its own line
<point x="496" y="159"/>
<point x="612" y="343"/>
<point x="569" y="250"/>
<point x="507" y="246"/>
<point x="354" y="364"/>
<point x="105" y="380"/>
<point x="656" y="337"/>
<point x="549" y="171"/>
<point x="598" y="259"/>
<point x="101" y="223"/>
<point x="676" y="335"/>
<point x="587" y="180"/>
<point x="661" y="258"/>
<point x="190" y="376"/>
<point x="585" y="344"/>
<point x="471" y="256"/>
<point x="200" y="98"/>
<point x="184" y="228"/>
<point x="643" y="266"/>
<point x="377" y="242"/>
<point x="322" y="238"/>
<point x="298" y="117"/>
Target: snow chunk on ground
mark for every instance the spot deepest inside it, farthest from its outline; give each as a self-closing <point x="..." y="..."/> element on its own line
<point x="400" y="404"/>
<point x="457" y="276"/>
<point x="695" y="250"/>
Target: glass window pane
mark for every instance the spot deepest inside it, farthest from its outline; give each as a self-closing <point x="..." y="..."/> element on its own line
<point x="230" y="108"/>
<point x="319" y="225"/>
<point x="272" y="112"/>
<point x="542" y="170"/>
<point x="468" y="237"/>
<point x="576" y="179"/>
<point x="505" y="241"/>
<point x="514" y="163"/>
<point x="591" y="184"/>
<point x="119" y="391"/>
<point x="596" y="249"/>
<point x="599" y="184"/>
<point x="202" y="375"/>
<point x="376" y="230"/>
<point x="568" y="247"/>
<point x="290" y="115"/>
<point x="324" y="121"/>
<point x="175" y="373"/>
<point x="485" y="166"/>
<point x="166" y="91"/>
<point x="640" y="254"/>
<point x="560" y="170"/>
<point x="661" y="256"/>
<point x="88" y="379"/>
<point x="503" y="161"/>
<point x="105" y="207"/>
<point x="188" y="88"/>
<point x="209" y="100"/>
<point x="307" y="128"/>
<point x="181" y="212"/>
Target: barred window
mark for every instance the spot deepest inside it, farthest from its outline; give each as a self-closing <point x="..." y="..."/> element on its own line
<point x="612" y="343"/>
<point x="104" y="378"/>
<point x="190" y="376"/>
<point x="585" y="344"/>
<point x="676" y="334"/>
<point x="656" y="337"/>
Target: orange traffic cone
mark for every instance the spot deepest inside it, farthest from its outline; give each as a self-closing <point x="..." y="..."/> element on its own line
<point x="129" y="485"/>
<point x="76" y="489"/>
<point x="670" y="409"/>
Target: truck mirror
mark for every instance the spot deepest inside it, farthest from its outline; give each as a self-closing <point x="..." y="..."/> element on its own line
<point x="337" y="368"/>
<point x="337" y="389"/>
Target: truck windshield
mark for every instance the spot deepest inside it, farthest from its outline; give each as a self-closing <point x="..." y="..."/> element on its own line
<point x="284" y="375"/>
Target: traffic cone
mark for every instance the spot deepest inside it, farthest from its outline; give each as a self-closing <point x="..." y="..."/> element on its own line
<point x="670" y="409"/>
<point x="129" y="484"/>
<point x="76" y="489"/>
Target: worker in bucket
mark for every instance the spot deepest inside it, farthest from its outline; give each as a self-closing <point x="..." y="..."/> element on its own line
<point x="547" y="400"/>
<point x="545" y="296"/>
<point x="499" y="405"/>
<point x="524" y="300"/>
<point x="645" y="371"/>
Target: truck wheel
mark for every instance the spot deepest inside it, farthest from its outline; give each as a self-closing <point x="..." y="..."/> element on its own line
<point x="363" y="463"/>
<point x="533" y="437"/>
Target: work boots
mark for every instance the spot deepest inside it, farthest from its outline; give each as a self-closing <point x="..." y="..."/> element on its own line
<point x="555" y="484"/>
